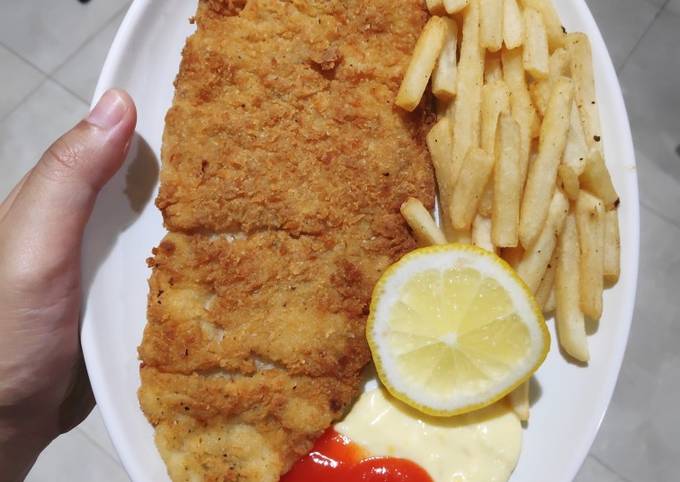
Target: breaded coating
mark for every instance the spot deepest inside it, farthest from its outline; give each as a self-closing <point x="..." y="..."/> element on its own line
<point x="284" y="117"/>
<point x="284" y="164"/>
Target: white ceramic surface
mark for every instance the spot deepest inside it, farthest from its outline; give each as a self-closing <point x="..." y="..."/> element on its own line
<point x="570" y="400"/>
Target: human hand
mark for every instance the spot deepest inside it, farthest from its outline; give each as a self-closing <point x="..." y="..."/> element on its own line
<point x="44" y="389"/>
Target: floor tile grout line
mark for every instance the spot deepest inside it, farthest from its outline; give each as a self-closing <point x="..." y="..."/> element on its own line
<point x="68" y="89"/>
<point x="609" y="467"/>
<point x="24" y="99"/>
<point x="33" y="91"/>
<point x="654" y="210"/>
<point x="24" y="59"/>
<point x="50" y="76"/>
<point x="639" y="40"/>
<point x="90" y="37"/>
<point x="100" y="447"/>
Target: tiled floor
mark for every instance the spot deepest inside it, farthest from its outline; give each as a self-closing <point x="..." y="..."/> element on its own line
<point x="47" y="80"/>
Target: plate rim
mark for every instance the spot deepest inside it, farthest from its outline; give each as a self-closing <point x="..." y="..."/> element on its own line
<point x="115" y="57"/>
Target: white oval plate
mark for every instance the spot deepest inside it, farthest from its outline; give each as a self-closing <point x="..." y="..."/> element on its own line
<point x="144" y="59"/>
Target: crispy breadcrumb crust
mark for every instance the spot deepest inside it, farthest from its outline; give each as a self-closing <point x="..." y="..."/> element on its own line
<point x="285" y="162"/>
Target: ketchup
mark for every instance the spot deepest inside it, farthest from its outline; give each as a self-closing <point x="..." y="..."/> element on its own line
<point x="334" y="458"/>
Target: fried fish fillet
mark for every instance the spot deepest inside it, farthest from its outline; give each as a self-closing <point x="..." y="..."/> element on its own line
<point x="285" y="162"/>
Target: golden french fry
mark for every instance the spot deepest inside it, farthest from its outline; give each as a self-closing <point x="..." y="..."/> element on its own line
<point x="536" y="56"/>
<point x="576" y="149"/>
<point x="519" y="401"/>
<point x="454" y="6"/>
<point x="513" y="24"/>
<point x="558" y="66"/>
<point x="590" y="227"/>
<point x="545" y="288"/>
<point x="420" y="220"/>
<point x="571" y="326"/>
<point x="543" y="171"/>
<point x="481" y="233"/>
<point x="578" y="46"/>
<point x="520" y="102"/>
<point x="495" y="99"/>
<point x="551" y="19"/>
<point x="469" y="187"/>
<point x="462" y="236"/>
<point x="436" y="7"/>
<point x="485" y="207"/>
<point x="540" y="95"/>
<point x="536" y="258"/>
<point x="612" y="247"/>
<point x="569" y="181"/>
<point x="444" y="75"/>
<point x="493" y="70"/>
<point x="596" y="179"/>
<point x="424" y="58"/>
<point x="491" y="24"/>
<point x="512" y="255"/>
<point x="551" y="303"/>
<point x="439" y="143"/>
<point x="466" y="125"/>
<point x="507" y="184"/>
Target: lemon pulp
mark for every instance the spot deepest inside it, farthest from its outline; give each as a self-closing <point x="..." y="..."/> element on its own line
<point x="452" y="328"/>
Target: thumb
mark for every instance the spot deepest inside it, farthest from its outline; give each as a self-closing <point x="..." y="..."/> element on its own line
<point x="48" y="213"/>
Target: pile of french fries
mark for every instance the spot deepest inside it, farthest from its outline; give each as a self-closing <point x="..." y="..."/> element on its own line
<point x="517" y="152"/>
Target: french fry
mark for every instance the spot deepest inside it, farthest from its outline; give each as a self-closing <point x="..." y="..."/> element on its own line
<point x="536" y="258"/>
<point x="519" y="401"/>
<point x="569" y="181"/>
<point x="590" y="227"/>
<point x="436" y="7"/>
<point x="576" y="149"/>
<point x="551" y="19"/>
<point x="540" y="95"/>
<point x="550" y="304"/>
<point x="439" y="143"/>
<point x="612" y="247"/>
<point x="444" y="75"/>
<point x="466" y="125"/>
<point x="491" y="24"/>
<point x="536" y="56"/>
<point x="571" y="327"/>
<point x="454" y="6"/>
<point x="596" y="179"/>
<point x="420" y="220"/>
<point x="520" y="102"/>
<point x="513" y="24"/>
<point x="507" y="184"/>
<point x="543" y="171"/>
<point x="495" y="99"/>
<point x="485" y="207"/>
<point x="558" y="66"/>
<point x="546" y="287"/>
<point x="578" y="46"/>
<point x="462" y="236"/>
<point x="469" y="187"/>
<point x="493" y="70"/>
<point x="424" y="58"/>
<point x="481" y="233"/>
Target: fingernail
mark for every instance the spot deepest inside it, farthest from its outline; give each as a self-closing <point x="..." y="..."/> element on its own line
<point x="109" y="111"/>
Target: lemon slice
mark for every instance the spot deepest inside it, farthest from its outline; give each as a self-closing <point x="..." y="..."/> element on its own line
<point x="452" y="329"/>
